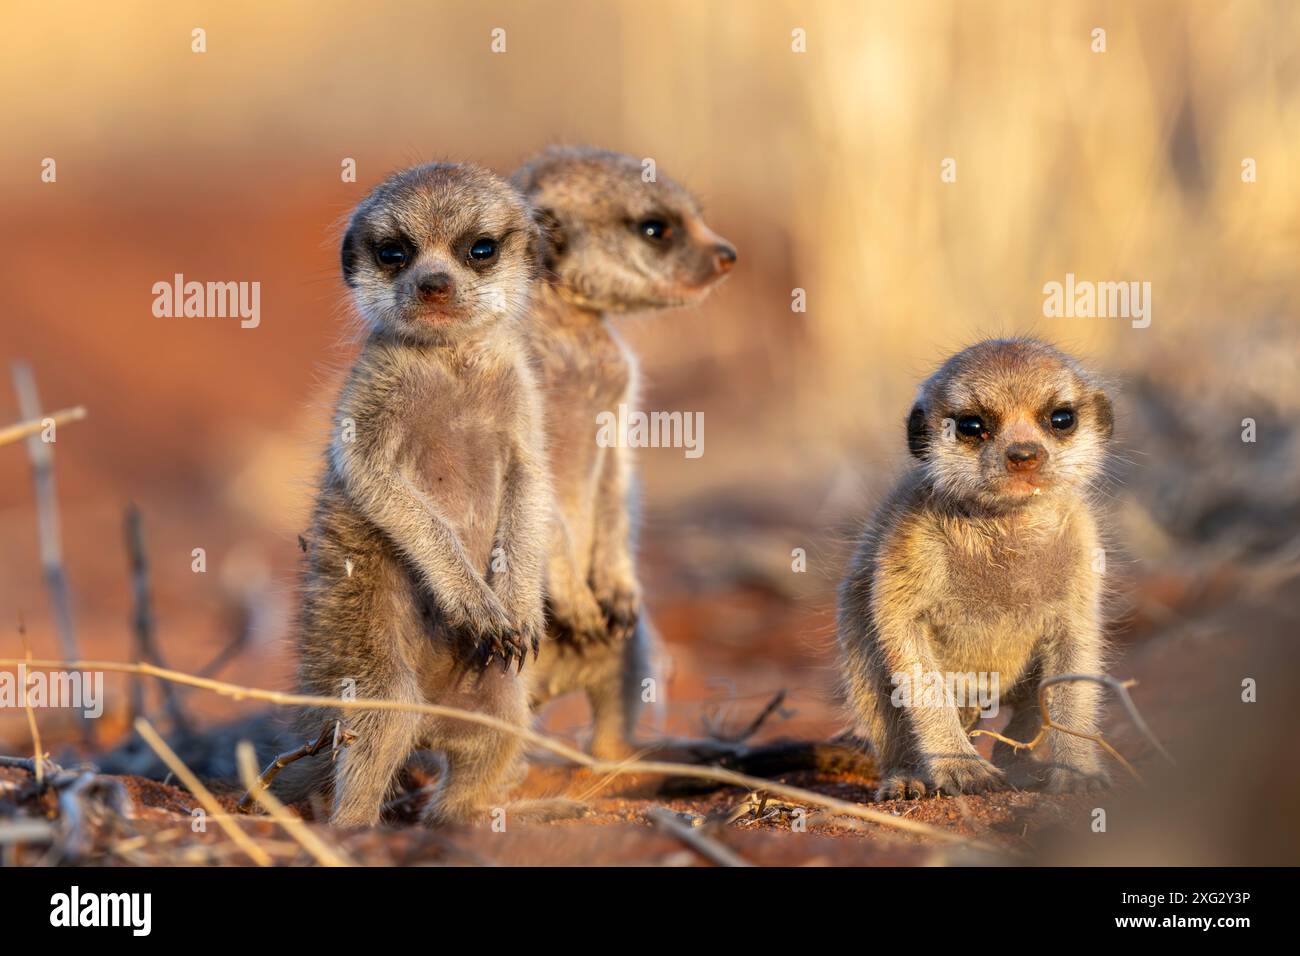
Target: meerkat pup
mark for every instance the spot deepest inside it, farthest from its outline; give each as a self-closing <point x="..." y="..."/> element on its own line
<point x="617" y="241"/>
<point x="982" y="567"/>
<point x="425" y="566"/>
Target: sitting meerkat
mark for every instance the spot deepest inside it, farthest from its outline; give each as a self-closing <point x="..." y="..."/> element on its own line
<point x="983" y="560"/>
<point x="616" y="243"/>
<point x="424" y="572"/>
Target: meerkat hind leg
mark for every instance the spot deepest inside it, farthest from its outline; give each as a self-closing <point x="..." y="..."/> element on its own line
<point x="1023" y="770"/>
<point x="611" y="736"/>
<point x="480" y="761"/>
<point x="1075" y="761"/>
<point x="366" y="769"/>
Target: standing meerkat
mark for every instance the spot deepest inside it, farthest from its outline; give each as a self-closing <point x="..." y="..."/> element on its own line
<point x="425" y="569"/>
<point x="983" y="561"/>
<point x="616" y="243"/>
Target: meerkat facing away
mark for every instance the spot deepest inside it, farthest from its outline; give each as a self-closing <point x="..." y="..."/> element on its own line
<point x="983" y="561"/>
<point x="616" y="243"/>
<point x="424" y="573"/>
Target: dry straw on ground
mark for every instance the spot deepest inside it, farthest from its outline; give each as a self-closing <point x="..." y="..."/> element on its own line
<point x="324" y="854"/>
<point x="622" y="768"/>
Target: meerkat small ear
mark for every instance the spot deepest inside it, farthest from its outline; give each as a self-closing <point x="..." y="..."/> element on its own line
<point x="552" y="240"/>
<point x="918" y="439"/>
<point x="348" y="255"/>
<point x="1101" y="407"/>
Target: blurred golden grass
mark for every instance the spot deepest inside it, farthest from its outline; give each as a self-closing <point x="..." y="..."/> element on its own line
<point x="823" y="167"/>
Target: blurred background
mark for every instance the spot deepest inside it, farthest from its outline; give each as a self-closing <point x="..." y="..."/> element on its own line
<point x="823" y="167"/>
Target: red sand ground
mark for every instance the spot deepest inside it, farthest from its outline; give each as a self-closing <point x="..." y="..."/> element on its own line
<point x="617" y="829"/>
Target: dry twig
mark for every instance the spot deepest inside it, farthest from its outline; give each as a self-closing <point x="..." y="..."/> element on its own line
<point x="1121" y="690"/>
<point x="323" y="853"/>
<point x="701" y="843"/>
<point x="772" y="707"/>
<point x="142" y="621"/>
<point x="759" y="806"/>
<point x="41" y="454"/>
<point x="326" y="739"/>
<point x="73" y="841"/>
<point x="47" y="509"/>
<point x="201" y="793"/>
<point x="719" y="774"/>
<point x="38" y="751"/>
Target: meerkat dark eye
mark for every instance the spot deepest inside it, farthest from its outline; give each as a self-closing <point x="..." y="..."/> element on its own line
<point x="483" y="250"/>
<point x="656" y="230"/>
<point x="391" y="254"/>
<point x="1063" y="419"/>
<point x="972" y="426"/>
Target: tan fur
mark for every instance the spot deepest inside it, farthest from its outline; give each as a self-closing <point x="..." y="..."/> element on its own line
<point x="424" y="570"/>
<point x="966" y="569"/>
<point x="592" y="204"/>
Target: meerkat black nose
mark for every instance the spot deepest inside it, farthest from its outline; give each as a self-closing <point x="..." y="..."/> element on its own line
<point x="724" y="257"/>
<point x="434" y="287"/>
<point x="1024" y="456"/>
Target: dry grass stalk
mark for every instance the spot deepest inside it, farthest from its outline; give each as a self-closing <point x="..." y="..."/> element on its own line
<point x="571" y="754"/>
<point x="201" y="793"/>
<point x="322" y="852"/>
<point x="14" y="832"/>
<point x="17" y="432"/>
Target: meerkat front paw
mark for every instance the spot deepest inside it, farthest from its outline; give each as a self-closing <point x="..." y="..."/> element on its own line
<point x="577" y="621"/>
<point x="900" y="785"/>
<point x="620" y="605"/>
<point x="481" y="644"/>
<point x="530" y="635"/>
<point x="965" y="774"/>
<point x="1063" y="778"/>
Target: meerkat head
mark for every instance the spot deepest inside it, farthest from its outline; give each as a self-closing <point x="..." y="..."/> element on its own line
<point x="1006" y="422"/>
<point x="616" y="242"/>
<point x="438" y="249"/>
